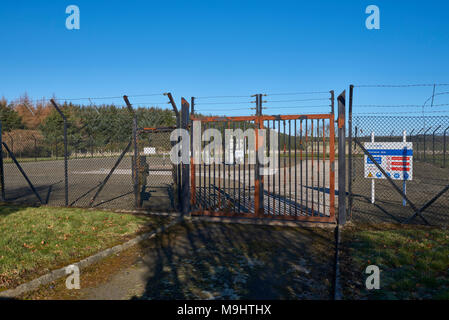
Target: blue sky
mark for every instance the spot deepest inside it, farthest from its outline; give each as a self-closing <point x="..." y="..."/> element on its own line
<point x="207" y="48"/>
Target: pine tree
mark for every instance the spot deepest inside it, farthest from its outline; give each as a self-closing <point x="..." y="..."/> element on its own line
<point x="9" y="117"/>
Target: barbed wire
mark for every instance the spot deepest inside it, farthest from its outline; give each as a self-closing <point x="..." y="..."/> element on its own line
<point x="291" y="107"/>
<point x="399" y="85"/>
<point x="149" y="103"/>
<point x="293" y="114"/>
<point x="433" y="96"/>
<point x="396" y="105"/>
<point x="266" y="94"/>
<point x="402" y="117"/>
<point x="41" y="100"/>
<point x="400" y="112"/>
<point x="198" y="111"/>
<point x="297" y="93"/>
<point x="296" y="100"/>
<point x="264" y="108"/>
<point x="215" y="103"/>
<point x="217" y="97"/>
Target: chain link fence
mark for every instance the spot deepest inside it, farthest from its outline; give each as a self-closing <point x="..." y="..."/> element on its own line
<point x="82" y="156"/>
<point x="158" y="176"/>
<point x="374" y="199"/>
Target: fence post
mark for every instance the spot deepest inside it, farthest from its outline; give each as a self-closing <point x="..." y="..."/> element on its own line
<point x="185" y="178"/>
<point x="261" y="177"/>
<point x="178" y="125"/>
<point x="258" y="180"/>
<point x="351" y="92"/>
<point x="192" y="162"/>
<point x="136" y="153"/>
<point x="2" y="172"/>
<point x="66" y="176"/>
<point x="341" y="158"/>
<point x="444" y="148"/>
<point x="332" y="101"/>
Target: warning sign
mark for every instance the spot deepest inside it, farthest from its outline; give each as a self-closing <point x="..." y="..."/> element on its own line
<point x="396" y="158"/>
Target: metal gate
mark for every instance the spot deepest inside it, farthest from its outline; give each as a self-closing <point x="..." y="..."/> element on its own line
<point x="235" y="178"/>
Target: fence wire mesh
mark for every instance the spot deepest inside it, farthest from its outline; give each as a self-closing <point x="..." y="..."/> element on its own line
<point x="97" y="151"/>
<point x="378" y="201"/>
<point x="157" y="176"/>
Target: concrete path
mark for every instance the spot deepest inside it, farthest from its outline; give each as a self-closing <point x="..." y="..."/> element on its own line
<point x="199" y="260"/>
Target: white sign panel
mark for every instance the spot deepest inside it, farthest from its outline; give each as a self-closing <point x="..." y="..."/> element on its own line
<point x="239" y="154"/>
<point x="396" y="158"/>
<point x="149" y="150"/>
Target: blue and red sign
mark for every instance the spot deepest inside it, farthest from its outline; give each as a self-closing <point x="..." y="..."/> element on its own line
<point x="395" y="158"/>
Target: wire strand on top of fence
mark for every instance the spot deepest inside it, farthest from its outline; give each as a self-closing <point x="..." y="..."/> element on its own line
<point x="266" y="94"/>
<point x="297" y="93"/>
<point x="396" y="105"/>
<point x="223" y="103"/>
<point x="296" y="100"/>
<point x="217" y="111"/>
<point x="400" y="112"/>
<point x="224" y="97"/>
<point x="47" y="100"/>
<point x="400" y="85"/>
<point x="432" y="97"/>
<point x="293" y="107"/>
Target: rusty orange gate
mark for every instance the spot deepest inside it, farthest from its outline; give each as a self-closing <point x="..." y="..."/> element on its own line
<point x="285" y="171"/>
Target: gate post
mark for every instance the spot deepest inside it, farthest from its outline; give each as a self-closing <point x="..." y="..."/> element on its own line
<point x="66" y="175"/>
<point x="178" y="126"/>
<point x="136" y="154"/>
<point x="185" y="178"/>
<point x="261" y="145"/>
<point x="2" y="172"/>
<point x="258" y="180"/>
<point x="192" y="162"/>
<point x="350" y="160"/>
<point x="341" y="158"/>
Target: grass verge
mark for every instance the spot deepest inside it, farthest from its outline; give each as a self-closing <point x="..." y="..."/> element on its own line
<point x="414" y="262"/>
<point x="35" y="240"/>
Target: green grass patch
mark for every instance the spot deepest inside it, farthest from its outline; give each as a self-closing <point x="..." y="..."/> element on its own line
<point x="414" y="262"/>
<point x="36" y="240"/>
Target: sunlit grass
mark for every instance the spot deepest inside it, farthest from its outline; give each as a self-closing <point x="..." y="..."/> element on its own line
<point x="34" y="240"/>
<point x="414" y="262"/>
